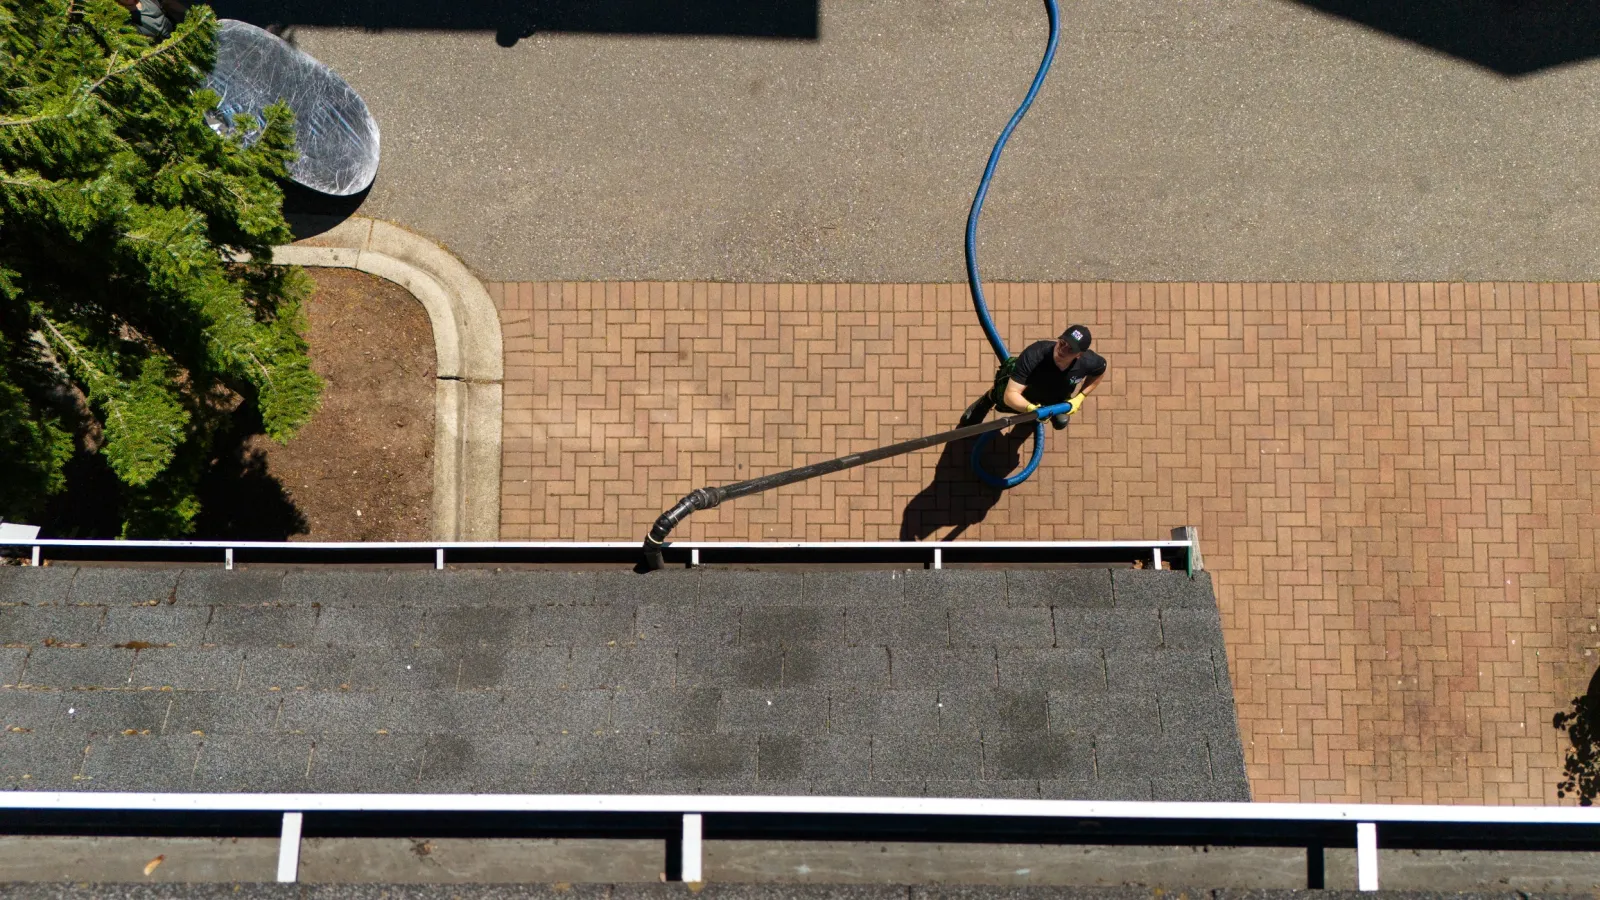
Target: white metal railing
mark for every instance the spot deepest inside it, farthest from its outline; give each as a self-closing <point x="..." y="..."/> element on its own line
<point x="1148" y="823"/>
<point x="1182" y="549"/>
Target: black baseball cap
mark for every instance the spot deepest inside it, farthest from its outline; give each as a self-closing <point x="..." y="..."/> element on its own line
<point x="1077" y="338"/>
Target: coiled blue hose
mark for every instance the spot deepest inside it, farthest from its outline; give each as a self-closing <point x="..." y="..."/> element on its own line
<point x="976" y="284"/>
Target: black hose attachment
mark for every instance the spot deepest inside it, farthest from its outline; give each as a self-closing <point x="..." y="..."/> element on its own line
<point x="700" y="498"/>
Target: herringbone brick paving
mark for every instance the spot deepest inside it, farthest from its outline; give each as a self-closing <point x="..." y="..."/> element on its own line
<point x="1395" y="484"/>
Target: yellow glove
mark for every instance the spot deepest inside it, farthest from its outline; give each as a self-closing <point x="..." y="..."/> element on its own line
<point x="1075" y="403"/>
<point x="1032" y="407"/>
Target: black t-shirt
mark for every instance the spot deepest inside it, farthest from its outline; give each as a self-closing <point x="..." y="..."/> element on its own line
<point x="1045" y="382"/>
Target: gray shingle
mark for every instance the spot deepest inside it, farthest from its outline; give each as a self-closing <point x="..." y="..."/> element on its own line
<point x="955" y="587"/>
<point x="855" y="590"/>
<point x="756" y="668"/>
<point x="112" y="712"/>
<point x="1079" y="671"/>
<point x="793" y="757"/>
<point x="325" y="712"/>
<point x="990" y="789"/>
<point x="992" y="710"/>
<point x="296" y="670"/>
<point x="1165" y="588"/>
<point x="901" y="627"/>
<point x="157" y="626"/>
<point x="35" y="585"/>
<point x="349" y="763"/>
<point x="743" y="588"/>
<point x="694" y="710"/>
<point x="702" y="756"/>
<point x="372" y="669"/>
<point x="883" y="712"/>
<point x="922" y="756"/>
<point x="791" y="625"/>
<point x="247" y="763"/>
<point x="12" y="662"/>
<point x="325" y="588"/>
<point x="678" y="625"/>
<point x="140" y="763"/>
<point x="1227" y="754"/>
<point x="1106" y="629"/>
<point x="594" y="625"/>
<point x="1165" y="757"/>
<point x="1098" y="789"/>
<point x="387" y="626"/>
<point x="528" y="588"/>
<point x="183" y="670"/>
<point x="124" y="587"/>
<point x="920" y="670"/>
<point x="590" y="758"/>
<point x="677" y="586"/>
<point x="1157" y="671"/>
<point x="622" y="667"/>
<point x="452" y="712"/>
<point x="499" y="668"/>
<point x="467" y="627"/>
<point x="50" y="625"/>
<point x="1191" y="629"/>
<point x="249" y="627"/>
<point x="1013" y="755"/>
<point x="1068" y="588"/>
<point x="1127" y="715"/>
<point x="544" y="712"/>
<point x="222" y="713"/>
<point x="39" y="761"/>
<point x="1201" y="790"/>
<point x="477" y="763"/>
<point x="240" y="587"/>
<point x="773" y="712"/>
<point x="31" y="710"/>
<point x="65" y="669"/>
<point x="813" y="666"/>
<point x="1001" y="627"/>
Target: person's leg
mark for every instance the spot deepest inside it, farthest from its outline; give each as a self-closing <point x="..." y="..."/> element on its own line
<point x="977" y="411"/>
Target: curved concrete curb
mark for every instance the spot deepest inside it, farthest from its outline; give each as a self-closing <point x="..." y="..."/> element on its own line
<point x="471" y="364"/>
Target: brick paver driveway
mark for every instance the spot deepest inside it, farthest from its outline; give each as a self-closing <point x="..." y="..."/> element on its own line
<point x="1395" y="484"/>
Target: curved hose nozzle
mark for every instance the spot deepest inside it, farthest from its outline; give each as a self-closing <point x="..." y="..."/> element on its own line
<point x="656" y="540"/>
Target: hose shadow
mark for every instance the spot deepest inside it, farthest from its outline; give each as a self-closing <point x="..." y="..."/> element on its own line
<point x="1581" y="769"/>
<point x="957" y="497"/>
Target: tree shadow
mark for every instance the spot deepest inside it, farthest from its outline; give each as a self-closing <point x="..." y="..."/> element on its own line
<point x="957" y="496"/>
<point x="511" y="20"/>
<point x="1512" y="37"/>
<point x="1581" y="776"/>
<point x="240" y="500"/>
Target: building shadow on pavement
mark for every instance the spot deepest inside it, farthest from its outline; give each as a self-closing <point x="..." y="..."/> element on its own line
<point x="956" y="496"/>
<point x="511" y="20"/>
<point x="1512" y="37"/>
<point x="1581" y="769"/>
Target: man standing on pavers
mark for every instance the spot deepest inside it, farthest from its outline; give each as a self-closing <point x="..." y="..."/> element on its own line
<point x="1061" y="371"/>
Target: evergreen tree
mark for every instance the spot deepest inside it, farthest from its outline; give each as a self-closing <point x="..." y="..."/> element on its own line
<point x="127" y="323"/>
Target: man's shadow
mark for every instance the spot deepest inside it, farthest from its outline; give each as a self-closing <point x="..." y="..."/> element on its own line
<point x="956" y="496"/>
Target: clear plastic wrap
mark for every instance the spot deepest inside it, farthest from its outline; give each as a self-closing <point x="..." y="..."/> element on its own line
<point x="334" y="133"/>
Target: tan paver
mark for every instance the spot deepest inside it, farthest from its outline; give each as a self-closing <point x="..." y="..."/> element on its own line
<point x="1395" y="483"/>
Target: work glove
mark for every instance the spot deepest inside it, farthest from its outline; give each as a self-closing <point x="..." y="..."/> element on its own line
<point x="1075" y="403"/>
<point x="1032" y="407"/>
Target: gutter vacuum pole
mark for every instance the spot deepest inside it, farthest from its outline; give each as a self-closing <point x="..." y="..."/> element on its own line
<point x="710" y="497"/>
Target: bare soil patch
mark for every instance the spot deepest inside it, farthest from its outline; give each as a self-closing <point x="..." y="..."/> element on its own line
<point x="362" y="468"/>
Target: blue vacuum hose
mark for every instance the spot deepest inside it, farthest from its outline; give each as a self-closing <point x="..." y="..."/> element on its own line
<point x="973" y="279"/>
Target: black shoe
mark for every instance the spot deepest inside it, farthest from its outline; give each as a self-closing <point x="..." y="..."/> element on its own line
<point x="976" y="412"/>
<point x="1059" y="420"/>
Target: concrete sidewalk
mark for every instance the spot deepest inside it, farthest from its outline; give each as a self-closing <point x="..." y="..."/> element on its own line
<point x="1231" y="139"/>
<point x="1395" y="484"/>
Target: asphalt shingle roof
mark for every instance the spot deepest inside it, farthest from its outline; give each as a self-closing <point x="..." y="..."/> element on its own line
<point x="1070" y="683"/>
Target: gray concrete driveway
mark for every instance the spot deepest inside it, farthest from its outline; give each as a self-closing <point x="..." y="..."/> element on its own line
<point x="1196" y="140"/>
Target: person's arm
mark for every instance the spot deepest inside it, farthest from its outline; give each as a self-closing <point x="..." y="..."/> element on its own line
<point x="1091" y="383"/>
<point x="1014" y="398"/>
